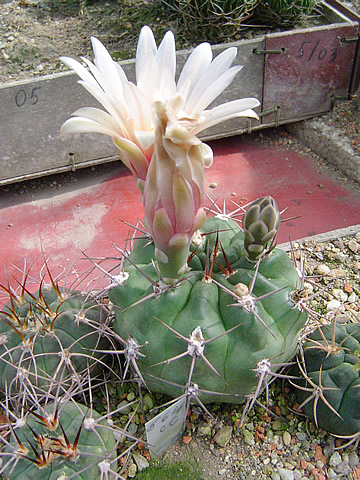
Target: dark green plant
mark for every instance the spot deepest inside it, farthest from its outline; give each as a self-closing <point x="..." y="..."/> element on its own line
<point x="213" y="19"/>
<point x="329" y="384"/>
<point x="277" y="12"/>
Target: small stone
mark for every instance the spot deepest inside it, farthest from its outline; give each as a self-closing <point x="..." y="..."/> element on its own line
<point x="343" y="469"/>
<point x="352" y="298"/>
<point x="140" y="461"/>
<point x="222" y="472"/>
<point x="335" y="459"/>
<point x="213" y="185"/>
<point x="148" y="401"/>
<point x="339" y="294"/>
<point x="353" y="459"/>
<point x="186" y="439"/>
<point x="204" y="430"/>
<point x="286" y="474"/>
<point x="132" y="470"/>
<point x="125" y="409"/>
<point x="348" y="288"/>
<point x="223" y="436"/>
<point x="248" y="437"/>
<point x="337" y="273"/>
<point x="353" y="246"/>
<point x="323" y="270"/>
<point x="333" y="305"/>
<point x="301" y="436"/>
<point x="286" y="438"/>
<point x="341" y="257"/>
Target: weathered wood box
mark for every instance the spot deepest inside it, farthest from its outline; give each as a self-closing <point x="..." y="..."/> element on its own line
<point x="295" y="74"/>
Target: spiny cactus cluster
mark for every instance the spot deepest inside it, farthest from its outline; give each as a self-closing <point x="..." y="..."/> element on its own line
<point x="213" y="19"/>
<point x="227" y="326"/>
<point x="328" y="384"/>
<point x="54" y="355"/>
<point x="285" y="12"/>
<point x="51" y="338"/>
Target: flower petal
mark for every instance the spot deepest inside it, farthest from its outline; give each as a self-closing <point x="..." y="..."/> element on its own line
<point x="84" y="125"/>
<point x="197" y="62"/>
<point x="218" y="67"/>
<point x="146" y="48"/>
<point x="226" y="111"/>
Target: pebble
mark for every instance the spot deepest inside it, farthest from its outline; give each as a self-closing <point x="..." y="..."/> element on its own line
<point x="335" y="459"/>
<point x="337" y="273"/>
<point x="132" y="470"/>
<point x="353" y="246"/>
<point x="286" y="474"/>
<point x="223" y="435"/>
<point x="323" y="270"/>
<point x="352" y="298"/>
<point x="339" y="294"/>
<point x="353" y="459"/>
<point x="333" y="305"/>
<point x="248" y="437"/>
<point x="286" y="438"/>
<point x="341" y="257"/>
<point x="140" y="461"/>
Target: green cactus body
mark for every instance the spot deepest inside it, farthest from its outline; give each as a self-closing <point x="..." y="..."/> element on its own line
<point x="196" y="302"/>
<point x="61" y="452"/>
<point x="48" y="337"/>
<point x="333" y="366"/>
<point x="277" y="12"/>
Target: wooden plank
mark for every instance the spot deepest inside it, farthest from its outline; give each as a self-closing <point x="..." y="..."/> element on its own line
<point x="314" y="69"/>
<point x="32" y="112"/>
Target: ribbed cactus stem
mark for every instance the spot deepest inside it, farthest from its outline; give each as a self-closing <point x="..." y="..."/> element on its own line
<point x="172" y="264"/>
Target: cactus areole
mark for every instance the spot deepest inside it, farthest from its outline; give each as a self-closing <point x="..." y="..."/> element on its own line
<point x="212" y="329"/>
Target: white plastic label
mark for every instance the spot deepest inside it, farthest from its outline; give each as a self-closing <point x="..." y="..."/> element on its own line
<point x="164" y="429"/>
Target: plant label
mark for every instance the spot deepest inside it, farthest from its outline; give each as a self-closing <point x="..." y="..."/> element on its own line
<point x="164" y="429"/>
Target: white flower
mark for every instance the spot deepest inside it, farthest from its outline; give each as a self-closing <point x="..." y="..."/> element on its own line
<point x="128" y="118"/>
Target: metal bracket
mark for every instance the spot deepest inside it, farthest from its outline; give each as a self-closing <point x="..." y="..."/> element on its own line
<point x="258" y="51"/>
<point x="349" y="40"/>
<point x="72" y="161"/>
<point x="335" y="98"/>
<point x="276" y="110"/>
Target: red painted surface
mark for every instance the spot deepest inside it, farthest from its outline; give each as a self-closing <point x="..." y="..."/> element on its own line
<point x="311" y="71"/>
<point x="61" y="225"/>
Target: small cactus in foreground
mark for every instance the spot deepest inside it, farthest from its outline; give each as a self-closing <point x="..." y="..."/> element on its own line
<point x="328" y="387"/>
<point x="48" y="339"/>
<point x="60" y="442"/>
<point x="219" y="326"/>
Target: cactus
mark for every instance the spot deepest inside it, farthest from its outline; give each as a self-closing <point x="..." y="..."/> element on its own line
<point x="227" y="326"/>
<point x="219" y="322"/>
<point x="276" y="12"/>
<point x="213" y="19"/>
<point x="328" y="387"/>
<point x="59" y="442"/>
<point x="49" y="339"/>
